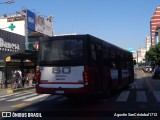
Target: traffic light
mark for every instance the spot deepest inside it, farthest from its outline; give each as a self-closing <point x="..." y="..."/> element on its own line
<point x="31" y="45"/>
<point x="32" y="42"/>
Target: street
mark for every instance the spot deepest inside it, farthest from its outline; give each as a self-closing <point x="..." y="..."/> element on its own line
<point x="142" y="98"/>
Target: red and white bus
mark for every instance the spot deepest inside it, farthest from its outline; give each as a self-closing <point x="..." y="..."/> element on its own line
<point x="81" y="65"/>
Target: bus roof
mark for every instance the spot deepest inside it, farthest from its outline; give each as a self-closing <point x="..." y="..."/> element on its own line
<point x="93" y="38"/>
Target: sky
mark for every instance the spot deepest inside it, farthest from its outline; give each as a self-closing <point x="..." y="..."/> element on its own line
<point x="124" y="23"/>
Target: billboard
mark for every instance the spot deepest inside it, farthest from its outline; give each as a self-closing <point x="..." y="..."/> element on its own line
<point x="30" y="20"/>
<point x="44" y="26"/>
<point x="19" y="26"/>
<point x="48" y="28"/>
<point x="39" y="24"/>
<point x="10" y="43"/>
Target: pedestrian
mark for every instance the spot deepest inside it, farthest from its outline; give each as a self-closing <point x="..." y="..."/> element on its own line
<point x="17" y="76"/>
<point x="30" y="76"/>
<point x="24" y="79"/>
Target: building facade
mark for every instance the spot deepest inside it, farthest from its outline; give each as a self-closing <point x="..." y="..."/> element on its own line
<point x="141" y="55"/>
<point x="148" y="43"/>
<point x="20" y="32"/>
<point x="28" y="24"/>
<point x="154" y="22"/>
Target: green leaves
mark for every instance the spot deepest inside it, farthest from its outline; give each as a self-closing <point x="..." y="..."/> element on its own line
<point x="154" y="54"/>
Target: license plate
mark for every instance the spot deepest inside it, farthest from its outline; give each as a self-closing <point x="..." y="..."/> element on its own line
<point x="59" y="92"/>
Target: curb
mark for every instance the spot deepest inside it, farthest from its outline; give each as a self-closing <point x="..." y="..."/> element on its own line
<point x="10" y="91"/>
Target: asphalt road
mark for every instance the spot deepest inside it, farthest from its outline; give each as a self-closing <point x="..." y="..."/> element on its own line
<point x="142" y="98"/>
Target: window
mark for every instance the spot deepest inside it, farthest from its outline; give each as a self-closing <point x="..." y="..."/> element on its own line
<point x="113" y="59"/>
<point x="93" y="52"/>
<point x="62" y="50"/>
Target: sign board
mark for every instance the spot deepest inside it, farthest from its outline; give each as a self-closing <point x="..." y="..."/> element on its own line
<point x="12" y="27"/>
<point x="17" y="27"/>
<point x="39" y="24"/>
<point x="8" y="58"/>
<point x="30" y="20"/>
<point x="10" y="43"/>
<point x="18" y="64"/>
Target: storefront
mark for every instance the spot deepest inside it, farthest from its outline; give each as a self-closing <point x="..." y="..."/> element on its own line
<point x="22" y="61"/>
<point x="10" y="43"/>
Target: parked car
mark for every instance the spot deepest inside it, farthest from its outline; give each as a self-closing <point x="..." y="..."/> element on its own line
<point x="156" y="73"/>
<point x="148" y="69"/>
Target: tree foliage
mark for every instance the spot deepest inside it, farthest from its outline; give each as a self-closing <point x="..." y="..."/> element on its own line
<point x="154" y="54"/>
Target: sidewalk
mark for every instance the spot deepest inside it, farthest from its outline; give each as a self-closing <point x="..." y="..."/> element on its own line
<point x="3" y="92"/>
<point x="10" y="91"/>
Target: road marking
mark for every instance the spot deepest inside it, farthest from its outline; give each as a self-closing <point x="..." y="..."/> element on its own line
<point x="15" y="94"/>
<point x="157" y="95"/>
<point x="141" y="96"/>
<point x="8" y="95"/>
<point x="20" y="94"/>
<point x="123" y="96"/>
<point x="23" y="97"/>
<point x="37" y="97"/>
<point x="2" y="99"/>
<point x="50" y="98"/>
<point x="20" y="105"/>
<point x="148" y="83"/>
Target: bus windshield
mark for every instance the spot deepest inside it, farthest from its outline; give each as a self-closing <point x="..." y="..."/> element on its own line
<point x="55" y="50"/>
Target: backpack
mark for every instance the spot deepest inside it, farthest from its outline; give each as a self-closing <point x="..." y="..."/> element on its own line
<point x="17" y="75"/>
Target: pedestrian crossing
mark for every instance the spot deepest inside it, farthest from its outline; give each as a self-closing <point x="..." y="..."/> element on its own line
<point x="157" y="95"/>
<point x="36" y="97"/>
<point x="123" y="96"/>
<point x="25" y="96"/>
<point x="139" y="96"/>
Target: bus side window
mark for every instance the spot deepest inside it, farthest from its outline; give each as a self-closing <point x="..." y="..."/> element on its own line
<point x="113" y="59"/>
<point x="93" y="53"/>
<point x="106" y="57"/>
<point x="126" y="62"/>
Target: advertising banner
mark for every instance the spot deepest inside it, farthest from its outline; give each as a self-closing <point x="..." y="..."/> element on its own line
<point x="17" y="27"/>
<point x="39" y="24"/>
<point x="30" y="20"/>
<point x="44" y="26"/>
<point x="48" y="28"/>
<point x="10" y="43"/>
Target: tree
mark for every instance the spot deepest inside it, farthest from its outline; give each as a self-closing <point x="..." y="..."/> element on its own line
<point x="154" y="54"/>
